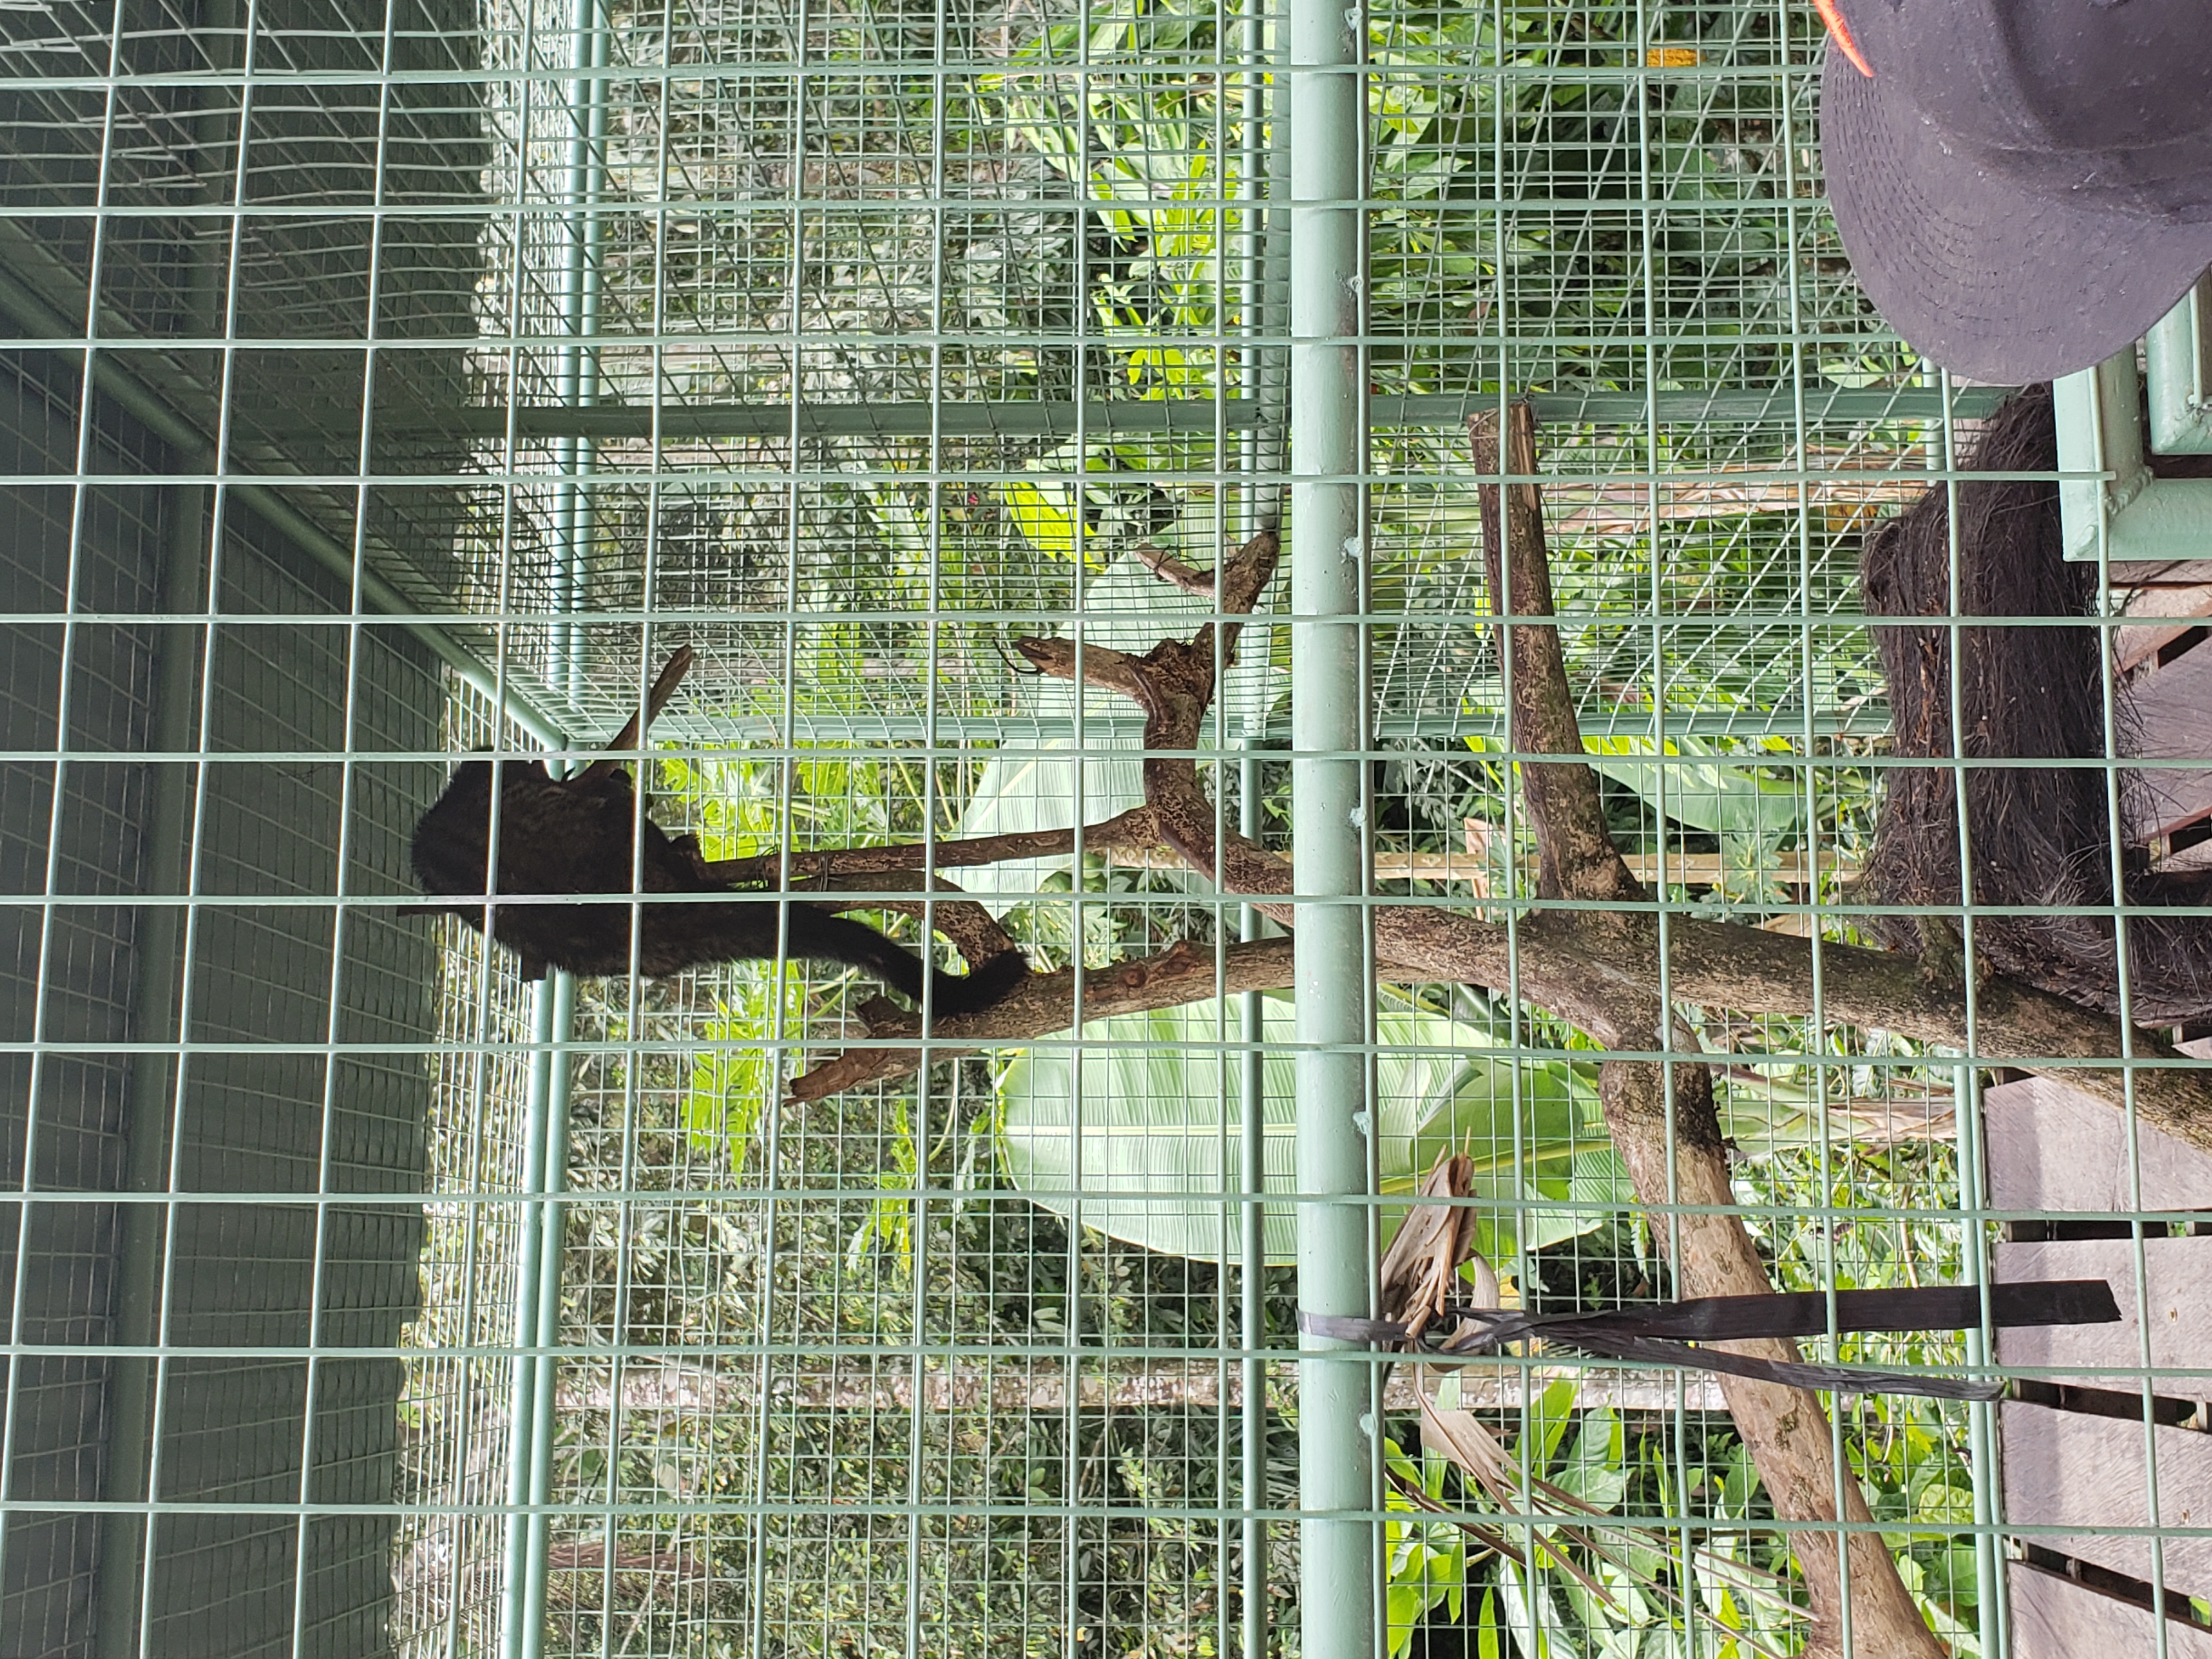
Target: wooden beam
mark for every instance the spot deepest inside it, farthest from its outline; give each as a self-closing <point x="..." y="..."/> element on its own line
<point x="2179" y="1273"/>
<point x="2171" y="709"/>
<point x="2166" y="614"/>
<point x="2053" y="1148"/>
<point x="2070" y="1468"/>
<point x="2055" y="1618"/>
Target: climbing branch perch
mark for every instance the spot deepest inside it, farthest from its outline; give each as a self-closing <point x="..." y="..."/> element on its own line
<point x="1585" y="980"/>
<point x="1662" y="1114"/>
<point x="1597" y="968"/>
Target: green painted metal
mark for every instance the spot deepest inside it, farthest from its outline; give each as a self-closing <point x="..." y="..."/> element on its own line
<point x="2178" y="366"/>
<point x="2128" y="513"/>
<point x="155" y="1078"/>
<point x="1338" y="1552"/>
<point x="536" y="1327"/>
<point x="538" y="1284"/>
<point x="1120" y="417"/>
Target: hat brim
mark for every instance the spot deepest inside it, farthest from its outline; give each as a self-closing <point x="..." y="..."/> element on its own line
<point x="1986" y="279"/>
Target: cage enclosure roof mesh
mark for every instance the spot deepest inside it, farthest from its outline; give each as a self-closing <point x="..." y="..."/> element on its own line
<point x="815" y="329"/>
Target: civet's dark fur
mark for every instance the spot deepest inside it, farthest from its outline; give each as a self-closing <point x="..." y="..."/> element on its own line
<point x="568" y="855"/>
<point x="2040" y="835"/>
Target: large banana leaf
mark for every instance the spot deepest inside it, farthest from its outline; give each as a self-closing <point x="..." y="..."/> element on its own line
<point x="1160" y="1123"/>
<point x="1703" y="788"/>
<point x="1034" y="787"/>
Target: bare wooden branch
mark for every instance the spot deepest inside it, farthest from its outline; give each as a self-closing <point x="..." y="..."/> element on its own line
<point x="1039" y="1006"/>
<point x="1173" y="683"/>
<point x="1661" y="1115"/>
<point x="1720" y="965"/>
<point x="1169" y="568"/>
<point x="1599" y="970"/>
<point x="1132" y="831"/>
<point x="1575" y="854"/>
<point x="632" y="736"/>
<point x="1475" y="869"/>
<point x="1665" y="1127"/>
<point x="973" y="930"/>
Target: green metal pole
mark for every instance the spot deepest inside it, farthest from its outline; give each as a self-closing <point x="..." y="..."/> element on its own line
<point x="1100" y="418"/>
<point x="545" y="1124"/>
<point x="544" y="1374"/>
<point x="1982" y="1450"/>
<point x="1338" y="1555"/>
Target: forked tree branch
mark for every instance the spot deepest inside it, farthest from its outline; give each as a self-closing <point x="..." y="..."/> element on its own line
<point x="1662" y="1114"/>
<point x="1608" y="986"/>
<point x="1599" y="969"/>
<point x="1182" y="973"/>
<point x="974" y="930"/>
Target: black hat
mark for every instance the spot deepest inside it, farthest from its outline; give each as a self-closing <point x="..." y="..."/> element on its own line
<point x="2024" y="186"/>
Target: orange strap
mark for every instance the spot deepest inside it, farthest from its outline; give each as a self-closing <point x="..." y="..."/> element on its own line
<point x="1840" y="33"/>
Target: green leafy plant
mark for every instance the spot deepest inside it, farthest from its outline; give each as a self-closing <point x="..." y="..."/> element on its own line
<point x="1562" y="1576"/>
<point x="1424" y="1560"/>
<point x="1140" y="1137"/>
<point x="731" y="1074"/>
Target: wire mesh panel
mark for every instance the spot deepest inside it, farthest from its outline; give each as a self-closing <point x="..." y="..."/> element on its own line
<point x="935" y="388"/>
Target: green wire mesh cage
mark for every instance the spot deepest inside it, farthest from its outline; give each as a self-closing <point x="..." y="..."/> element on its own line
<point x="386" y="383"/>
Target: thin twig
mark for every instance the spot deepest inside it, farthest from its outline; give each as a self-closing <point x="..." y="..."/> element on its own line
<point x="1130" y="831"/>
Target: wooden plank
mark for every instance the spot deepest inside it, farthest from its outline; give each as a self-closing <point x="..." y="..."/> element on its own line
<point x="2197" y="855"/>
<point x="2194" y="599"/>
<point x="2172" y="710"/>
<point x="2054" y="1148"/>
<point x="2160" y="572"/>
<point x="2069" y="1468"/>
<point x="2166" y="614"/>
<point x="2173" y="801"/>
<point x="2111" y="1356"/>
<point x="2055" y="1618"/>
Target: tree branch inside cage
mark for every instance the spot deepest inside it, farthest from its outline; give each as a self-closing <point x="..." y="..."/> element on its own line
<point x="1589" y="975"/>
<point x="1598" y="967"/>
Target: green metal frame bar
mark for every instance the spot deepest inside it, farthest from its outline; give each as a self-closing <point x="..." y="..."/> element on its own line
<point x="2178" y="360"/>
<point x="2130" y="513"/>
<point x="156" y="1079"/>
<point x="538" y="1285"/>
<point x="1339" y="1557"/>
<point x="537" y="1318"/>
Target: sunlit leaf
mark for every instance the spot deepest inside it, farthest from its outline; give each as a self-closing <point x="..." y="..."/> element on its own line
<point x="1698" y="785"/>
<point x="1158" y="1118"/>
